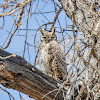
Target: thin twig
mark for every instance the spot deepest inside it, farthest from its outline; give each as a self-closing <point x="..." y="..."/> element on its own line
<point x="18" y="24"/>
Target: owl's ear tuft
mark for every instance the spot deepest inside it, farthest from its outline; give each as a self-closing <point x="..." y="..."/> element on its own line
<point x="53" y="30"/>
<point x="42" y="31"/>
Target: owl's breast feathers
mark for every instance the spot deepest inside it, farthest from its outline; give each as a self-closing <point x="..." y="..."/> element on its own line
<point x="52" y="60"/>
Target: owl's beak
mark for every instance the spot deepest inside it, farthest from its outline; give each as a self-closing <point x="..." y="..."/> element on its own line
<point x="48" y="40"/>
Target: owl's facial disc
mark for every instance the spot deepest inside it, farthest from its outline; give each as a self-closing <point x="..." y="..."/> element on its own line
<point x="48" y="37"/>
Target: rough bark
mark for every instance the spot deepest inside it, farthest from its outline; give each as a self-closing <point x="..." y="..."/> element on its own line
<point x="85" y="17"/>
<point x="87" y="20"/>
<point x="16" y="73"/>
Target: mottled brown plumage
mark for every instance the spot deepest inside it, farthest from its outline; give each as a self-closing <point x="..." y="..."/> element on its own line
<point x="52" y="59"/>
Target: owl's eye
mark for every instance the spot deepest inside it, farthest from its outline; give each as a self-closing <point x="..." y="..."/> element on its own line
<point x="44" y="37"/>
<point x="53" y="37"/>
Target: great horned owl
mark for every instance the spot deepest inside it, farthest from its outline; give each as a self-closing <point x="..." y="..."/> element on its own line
<point x="52" y="60"/>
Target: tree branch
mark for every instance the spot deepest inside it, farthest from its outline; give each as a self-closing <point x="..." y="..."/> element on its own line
<point x="85" y="18"/>
<point x="16" y="73"/>
<point x="87" y="21"/>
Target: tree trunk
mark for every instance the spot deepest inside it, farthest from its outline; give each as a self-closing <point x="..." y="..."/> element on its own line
<point x="87" y="20"/>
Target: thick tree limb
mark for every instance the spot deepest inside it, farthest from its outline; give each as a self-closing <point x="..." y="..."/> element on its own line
<point x="17" y="74"/>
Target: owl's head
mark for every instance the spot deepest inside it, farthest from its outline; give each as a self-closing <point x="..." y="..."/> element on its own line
<point x="47" y="37"/>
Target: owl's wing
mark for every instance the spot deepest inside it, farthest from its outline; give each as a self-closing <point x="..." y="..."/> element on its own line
<point x="61" y="60"/>
<point x="58" y="54"/>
